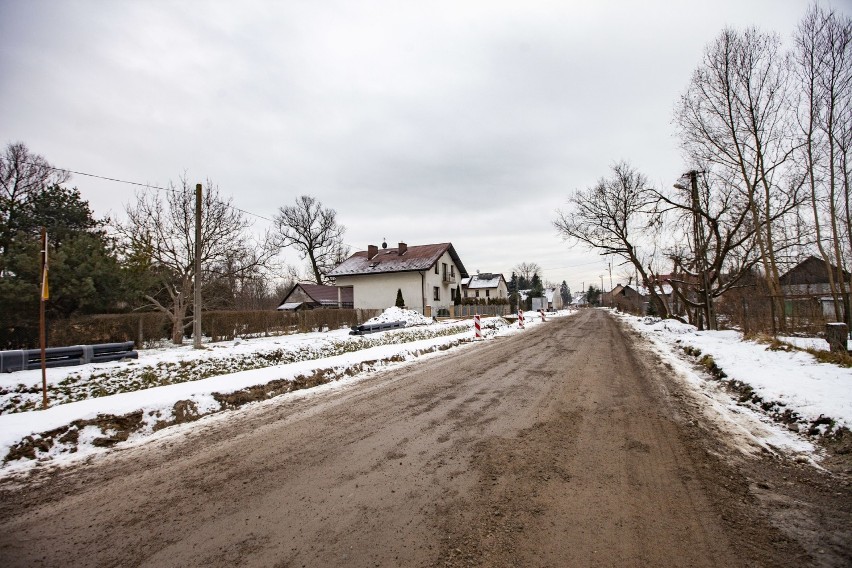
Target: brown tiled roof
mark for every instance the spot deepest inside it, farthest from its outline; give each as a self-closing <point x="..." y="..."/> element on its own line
<point x="415" y="258"/>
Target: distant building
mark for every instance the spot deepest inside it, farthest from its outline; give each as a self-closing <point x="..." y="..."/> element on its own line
<point x="807" y="283"/>
<point x="485" y="285"/>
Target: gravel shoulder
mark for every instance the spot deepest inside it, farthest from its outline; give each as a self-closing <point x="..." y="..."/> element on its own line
<point x="569" y="445"/>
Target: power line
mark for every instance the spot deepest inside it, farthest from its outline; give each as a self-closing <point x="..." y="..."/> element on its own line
<point x="571" y="265"/>
<point x="145" y="185"/>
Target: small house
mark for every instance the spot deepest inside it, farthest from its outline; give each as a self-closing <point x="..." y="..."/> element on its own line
<point x="485" y="285"/>
<point x="305" y="296"/>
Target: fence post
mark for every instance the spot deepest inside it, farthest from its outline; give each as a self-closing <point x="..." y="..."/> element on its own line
<point x="837" y="335"/>
<point x="772" y="313"/>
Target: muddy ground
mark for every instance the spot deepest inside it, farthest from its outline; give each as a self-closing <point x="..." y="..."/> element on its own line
<point x="568" y="445"/>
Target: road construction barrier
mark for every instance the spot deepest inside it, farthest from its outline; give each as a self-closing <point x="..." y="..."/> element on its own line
<point x="29" y="359"/>
<point x="542" y="315"/>
<point x="477" y="326"/>
<point x="521" y="319"/>
<point x="364" y="329"/>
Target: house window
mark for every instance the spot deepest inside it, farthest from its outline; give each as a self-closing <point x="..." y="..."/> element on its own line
<point x="477" y="293"/>
<point x="453" y="270"/>
<point x="445" y="270"/>
<point x="453" y="294"/>
<point x="488" y="293"/>
<point x="436" y="268"/>
<point x="436" y="293"/>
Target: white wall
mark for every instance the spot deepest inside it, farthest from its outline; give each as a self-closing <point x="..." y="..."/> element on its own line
<point x="433" y="280"/>
<point x="378" y="291"/>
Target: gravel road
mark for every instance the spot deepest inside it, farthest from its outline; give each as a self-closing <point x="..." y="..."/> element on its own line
<point x="567" y="445"/>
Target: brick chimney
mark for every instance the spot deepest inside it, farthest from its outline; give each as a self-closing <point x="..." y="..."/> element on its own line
<point x="372" y="250"/>
<point x="402" y="248"/>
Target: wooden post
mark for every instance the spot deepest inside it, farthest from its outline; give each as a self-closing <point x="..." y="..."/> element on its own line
<point x="196" y="309"/>
<point x="837" y="335"/>
<point x="42" y="331"/>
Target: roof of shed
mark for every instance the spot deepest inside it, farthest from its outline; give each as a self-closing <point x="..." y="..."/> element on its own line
<point x="320" y="294"/>
<point x="415" y="258"/>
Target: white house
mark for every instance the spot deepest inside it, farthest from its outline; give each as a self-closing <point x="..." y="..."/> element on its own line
<point x="554" y="298"/>
<point x="485" y="285"/>
<point x="427" y="275"/>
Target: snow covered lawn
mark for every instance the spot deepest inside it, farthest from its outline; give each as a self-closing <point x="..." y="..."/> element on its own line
<point x="108" y="404"/>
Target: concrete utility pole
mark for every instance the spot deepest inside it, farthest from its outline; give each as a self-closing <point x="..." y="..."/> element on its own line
<point x="196" y="306"/>
<point x="701" y="251"/>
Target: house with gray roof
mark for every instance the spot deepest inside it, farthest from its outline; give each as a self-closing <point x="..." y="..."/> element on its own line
<point x="427" y="276"/>
<point x="485" y="285"/>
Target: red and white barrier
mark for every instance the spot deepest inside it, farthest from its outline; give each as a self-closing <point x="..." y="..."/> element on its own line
<point x="521" y="319"/>
<point x="542" y="315"/>
<point x="477" y="326"/>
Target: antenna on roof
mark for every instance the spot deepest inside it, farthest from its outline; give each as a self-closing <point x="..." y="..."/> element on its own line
<point x="384" y="242"/>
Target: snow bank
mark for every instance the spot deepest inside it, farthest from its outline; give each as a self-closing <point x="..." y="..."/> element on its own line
<point x="410" y="317"/>
<point x="793" y="381"/>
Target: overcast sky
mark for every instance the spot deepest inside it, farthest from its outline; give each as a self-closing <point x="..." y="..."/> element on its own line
<point x="423" y="122"/>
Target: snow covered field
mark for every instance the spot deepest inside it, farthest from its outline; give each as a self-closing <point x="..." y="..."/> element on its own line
<point x="178" y="384"/>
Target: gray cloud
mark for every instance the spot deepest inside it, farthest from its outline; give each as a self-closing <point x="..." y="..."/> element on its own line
<point x="469" y="122"/>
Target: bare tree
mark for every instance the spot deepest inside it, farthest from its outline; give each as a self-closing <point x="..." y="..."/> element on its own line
<point x="714" y="243"/>
<point x="23" y="176"/>
<point x="163" y="228"/>
<point x="526" y="270"/>
<point x="735" y="116"/>
<point x="314" y="232"/>
<point x="823" y="60"/>
<point x="615" y="217"/>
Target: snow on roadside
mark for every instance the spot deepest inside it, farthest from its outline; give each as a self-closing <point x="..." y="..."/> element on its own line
<point x="793" y="382"/>
<point x="156" y="403"/>
<point x="85" y="424"/>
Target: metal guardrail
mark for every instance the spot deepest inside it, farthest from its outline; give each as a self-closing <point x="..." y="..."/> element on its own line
<point x="364" y="329"/>
<point x="29" y="359"/>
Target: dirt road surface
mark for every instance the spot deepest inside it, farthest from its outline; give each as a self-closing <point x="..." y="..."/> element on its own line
<point x="568" y="445"/>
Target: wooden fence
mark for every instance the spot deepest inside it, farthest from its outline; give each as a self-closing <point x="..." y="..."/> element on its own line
<point x="150" y="328"/>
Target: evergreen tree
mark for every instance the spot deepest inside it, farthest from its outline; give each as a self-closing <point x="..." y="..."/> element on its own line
<point x="565" y="292"/>
<point x="536" y="286"/>
<point x="84" y="273"/>
<point x="513" y="292"/>
<point x="593" y="295"/>
<point x="400" y="303"/>
<point x="457" y="299"/>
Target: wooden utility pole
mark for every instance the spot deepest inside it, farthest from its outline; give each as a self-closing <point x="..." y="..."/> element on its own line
<point x="42" y="331"/>
<point x="196" y="304"/>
